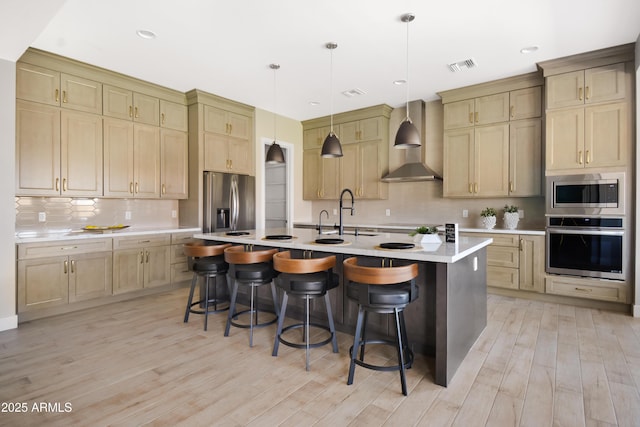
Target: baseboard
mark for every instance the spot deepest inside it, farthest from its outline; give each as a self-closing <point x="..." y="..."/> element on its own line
<point x="636" y="310"/>
<point x="7" y="323"/>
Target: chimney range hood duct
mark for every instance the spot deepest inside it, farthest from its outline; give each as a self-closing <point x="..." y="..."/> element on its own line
<point x="413" y="169"/>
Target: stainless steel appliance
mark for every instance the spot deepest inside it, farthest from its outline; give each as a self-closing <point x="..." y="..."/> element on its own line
<point x="587" y="246"/>
<point x="586" y="194"/>
<point x="228" y="202"/>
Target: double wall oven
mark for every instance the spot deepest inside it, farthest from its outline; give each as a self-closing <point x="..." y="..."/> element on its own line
<point x="586" y="226"/>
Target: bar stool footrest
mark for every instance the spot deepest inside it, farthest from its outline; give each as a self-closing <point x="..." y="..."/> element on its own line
<point x="407" y="352"/>
<point x="304" y="345"/>
<point x="255" y="325"/>
<point x="212" y="302"/>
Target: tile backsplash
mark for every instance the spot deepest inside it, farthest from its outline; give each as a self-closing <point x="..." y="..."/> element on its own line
<point x="66" y="214"/>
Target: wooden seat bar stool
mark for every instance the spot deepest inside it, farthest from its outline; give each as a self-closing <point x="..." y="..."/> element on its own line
<point x="305" y="278"/>
<point x="252" y="268"/>
<point x="205" y="261"/>
<point x="385" y="290"/>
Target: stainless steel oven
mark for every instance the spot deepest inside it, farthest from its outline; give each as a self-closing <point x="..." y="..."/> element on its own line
<point x="587" y="246"/>
<point x="586" y="194"/>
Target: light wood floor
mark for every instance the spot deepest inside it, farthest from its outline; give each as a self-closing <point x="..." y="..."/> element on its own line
<point x="136" y="363"/>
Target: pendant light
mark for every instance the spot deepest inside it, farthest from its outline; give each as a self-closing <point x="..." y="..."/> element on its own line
<point x="275" y="154"/>
<point x="331" y="146"/>
<point x="407" y="135"/>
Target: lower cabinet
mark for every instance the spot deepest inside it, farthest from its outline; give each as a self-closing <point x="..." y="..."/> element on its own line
<point x="179" y="268"/>
<point x="582" y="287"/>
<point x="141" y="262"/>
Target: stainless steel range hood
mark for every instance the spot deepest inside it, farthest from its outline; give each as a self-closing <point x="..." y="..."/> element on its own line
<point x="413" y="169"/>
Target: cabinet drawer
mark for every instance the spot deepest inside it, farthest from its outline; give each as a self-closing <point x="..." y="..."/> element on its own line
<point x="180" y="272"/>
<point x="502" y="256"/>
<point x="141" y="241"/>
<point x="177" y="254"/>
<point x="502" y="277"/>
<point x="70" y="247"/>
<point x="182" y="238"/>
<point x="584" y="288"/>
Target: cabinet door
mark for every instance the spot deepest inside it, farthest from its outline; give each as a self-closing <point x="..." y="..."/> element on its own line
<point x="146" y="161"/>
<point x="349" y="132"/>
<point x="240" y="156"/>
<point x="492" y="161"/>
<point x="458" y="163"/>
<point x="117" y="102"/>
<point x="525" y="103"/>
<point x="90" y="276"/>
<point x="330" y="178"/>
<point x="81" y="154"/>
<point x="492" y="109"/>
<point x="216" y="155"/>
<point x="311" y="166"/>
<point x="37" y="84"/>
<point x="81" y="94"/>
<point x="604" y="83"/>
<point x="370" y="170"/>
<point x="525" y="152"/>
<point x="459" y="114"/>
<point x="370" y="129"/>
<point x="352" y="168"/>
<point x="128" y="270"/>
<point x="42" y="283"/>
<point x="215" y="120"/>
<point x="37" y="149"/>
<point x="146" y="109"/>
<point x="314" y="138"/>
<point x="157" y="266"/>
<point x="565" y="90"/>
<point x="173" y="116"/>
<point x="239" y="126"/>
<point x="532" y="263"/>
<point x="173" y="164"/>
<point x="565" y="139"/>
<point x="606" y="135"/>
<point x="118" y="158"/>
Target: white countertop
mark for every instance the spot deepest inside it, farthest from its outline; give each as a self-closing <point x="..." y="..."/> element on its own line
<point x="402" y="228"/>
<point x="27" y="237"/>
<point x="304" y="239"/>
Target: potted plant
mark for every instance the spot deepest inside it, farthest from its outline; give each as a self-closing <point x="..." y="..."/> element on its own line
<point x="426" y="235"/>
<point x="488" y="218"/>
<point x="511" y="216"/>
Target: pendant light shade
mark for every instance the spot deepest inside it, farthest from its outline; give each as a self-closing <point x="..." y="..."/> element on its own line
<point x="275" y="154"/>
<point x="408" y="135"/>
<point x="331" y="146"/>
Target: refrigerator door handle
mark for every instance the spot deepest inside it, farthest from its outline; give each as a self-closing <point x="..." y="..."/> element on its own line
<point x="233" y="202"/>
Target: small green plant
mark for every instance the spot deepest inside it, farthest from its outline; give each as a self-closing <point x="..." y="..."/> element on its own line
<point x="510" y="209"/>
<point x="424" y="230"/>
<point x="488" y="212"/>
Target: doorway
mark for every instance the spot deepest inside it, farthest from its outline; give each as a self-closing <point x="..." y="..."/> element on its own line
<point x="275" y="185"/>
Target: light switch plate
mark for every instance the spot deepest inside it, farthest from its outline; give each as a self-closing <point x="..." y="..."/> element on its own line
<point x="42" y="216"/>
<point x="127" y="215"/>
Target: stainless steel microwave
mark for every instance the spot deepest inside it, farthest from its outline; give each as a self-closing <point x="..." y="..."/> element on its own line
<point x="586" y="194"/>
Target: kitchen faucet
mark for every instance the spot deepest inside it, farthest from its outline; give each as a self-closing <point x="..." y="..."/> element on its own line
<point x="320" y="220"/>
<point x="346" y="190"/>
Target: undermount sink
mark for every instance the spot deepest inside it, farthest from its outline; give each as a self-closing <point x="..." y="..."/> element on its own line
<point x="353" y="233"/>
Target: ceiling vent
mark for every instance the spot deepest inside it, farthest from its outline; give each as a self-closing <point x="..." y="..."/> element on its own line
<point x="353" y="92"/>
<point x="461" y="65"/>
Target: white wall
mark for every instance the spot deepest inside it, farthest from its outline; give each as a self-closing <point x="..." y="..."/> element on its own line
<point x="8" y="316"/>
<point x="636" y="305"/>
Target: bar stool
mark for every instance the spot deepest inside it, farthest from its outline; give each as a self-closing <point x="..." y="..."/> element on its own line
<point x="306" y="278"/>
<point x="383" y="290"/>
<point x="253" y="268"/>
<point x="205" y="261"/>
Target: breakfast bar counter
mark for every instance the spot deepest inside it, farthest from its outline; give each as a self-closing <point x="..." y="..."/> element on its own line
<point x="451" y="310"/>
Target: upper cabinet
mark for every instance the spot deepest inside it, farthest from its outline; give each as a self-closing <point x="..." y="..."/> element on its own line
<point x="128" y="105"/>
<point x="588" y="115"/>
<point x="493" y="139"/>
<point x="174" y="116"/>
<point x="364" y="135"/>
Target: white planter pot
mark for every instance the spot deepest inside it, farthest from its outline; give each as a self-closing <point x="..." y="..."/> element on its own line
<point x="511" y="220"/>
<point x="427" y="239"/>
<point x="488" y="222"/>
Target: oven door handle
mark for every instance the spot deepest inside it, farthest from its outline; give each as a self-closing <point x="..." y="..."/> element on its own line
<point x="589" y="232"/>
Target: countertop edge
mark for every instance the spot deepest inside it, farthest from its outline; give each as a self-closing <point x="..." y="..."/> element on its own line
<point x="408" y="228"/>
<point x="82" y="235"/>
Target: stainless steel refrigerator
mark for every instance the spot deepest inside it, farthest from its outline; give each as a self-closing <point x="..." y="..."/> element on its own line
<point x="229" y="202"/>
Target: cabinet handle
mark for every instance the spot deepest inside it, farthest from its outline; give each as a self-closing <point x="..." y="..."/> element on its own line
<point x="147" y="258"/>
<point x="144" y="241"/>
<point x="136" y="113"/>
<point x="131" y="187"/>
<point x="470" y="117"/>
<point x="57" y="184"/>
<point x="580" y="94"/>
<point x="588" y="93"/>
<point x="137" y="188"/>
<point x="475" y="187"/>
<point x="477" y="116"/>
<point x="230" y="164"/>
<point x="66" y="248"/>
<point x="588" y="157"/>
<point x="580" y="157"/>
<point x="162" y="117"/>
<point x="64" y="184"/>
<point x="511" y="186"/>
<point x="57" y="95"/>
<point x="230" y="128"/>
<point x="141" y="257"/>
<point x="513" y="111"/>
<point x="73" y="266"/>
<point x="64" y="96"/>
<point x="66" y="267"/>
<point x="470" y="187"/>
<point x="583" y="289"/>
<point x="521" y="244"/>
<point x="163" y="189"/>
<point x="130" y="111"/>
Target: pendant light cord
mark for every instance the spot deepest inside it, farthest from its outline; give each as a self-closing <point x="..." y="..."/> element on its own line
<point x="275" y="102"/>
<point x="331" y="87"/>
<point x="407" y="72"/>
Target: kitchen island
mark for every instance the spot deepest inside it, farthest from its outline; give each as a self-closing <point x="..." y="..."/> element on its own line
<point x="451" y="310"/>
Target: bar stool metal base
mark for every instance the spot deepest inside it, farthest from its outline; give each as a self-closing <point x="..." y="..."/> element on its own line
<point x="215" y="301"/>
<point x="252" y="310"/>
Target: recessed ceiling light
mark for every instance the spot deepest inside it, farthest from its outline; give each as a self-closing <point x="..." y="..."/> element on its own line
<point x="528" y="49"/>
<point x="146" y="34"/>
<point x="399" y="82"/>
<point x="314" y="103"/>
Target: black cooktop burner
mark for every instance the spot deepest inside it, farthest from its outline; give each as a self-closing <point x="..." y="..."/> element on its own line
<point x="397" y="245"/>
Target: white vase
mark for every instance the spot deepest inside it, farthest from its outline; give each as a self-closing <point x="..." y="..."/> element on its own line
<point x="511" y="220"/>
<point x="488" y="222"/>
<point x="427" y="238"/>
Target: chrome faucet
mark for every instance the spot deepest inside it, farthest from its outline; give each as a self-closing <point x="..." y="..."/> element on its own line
<point x="320" y="220"/>
<point x="346" y="190"/>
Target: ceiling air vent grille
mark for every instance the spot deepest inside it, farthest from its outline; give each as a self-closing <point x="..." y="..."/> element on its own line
<point x="353" y="92"/>
<point x="461" y="65"/>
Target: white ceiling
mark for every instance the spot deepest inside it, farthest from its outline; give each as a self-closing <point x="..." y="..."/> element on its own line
<point x="225" y="47"/>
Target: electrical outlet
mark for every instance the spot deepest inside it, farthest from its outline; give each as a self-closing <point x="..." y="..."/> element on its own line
<point x="520" y="213"/>
<point x="42" y="216"/>
<point x="174" y="214"/>
<point x="127" y="215"/>
<point x="387" y="212"/>
<point x="465" y="213"/>
<point x="335" y="211"/>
